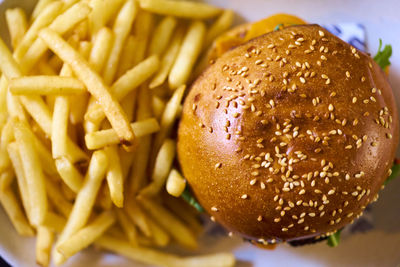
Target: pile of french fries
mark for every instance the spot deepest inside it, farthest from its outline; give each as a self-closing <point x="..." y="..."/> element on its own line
<point x="89" y="98"/>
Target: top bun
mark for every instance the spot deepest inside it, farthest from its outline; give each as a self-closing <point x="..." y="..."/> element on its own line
<point x="288" y="136"/>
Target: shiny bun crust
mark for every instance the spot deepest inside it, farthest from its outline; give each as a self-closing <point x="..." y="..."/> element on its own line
<point x="288" y="136"/>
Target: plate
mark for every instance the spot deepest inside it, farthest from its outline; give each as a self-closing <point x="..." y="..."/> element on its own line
<point x="376" y="243"/>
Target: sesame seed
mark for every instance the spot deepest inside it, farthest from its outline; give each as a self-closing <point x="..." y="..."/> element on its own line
<point x="244" y="196"/>
<point x="214" y="208"/>
<point x="218" y="165"/>
<point x="330" y="107"/>
<point x="331" y="192"/>
<point x="302" y="80"/>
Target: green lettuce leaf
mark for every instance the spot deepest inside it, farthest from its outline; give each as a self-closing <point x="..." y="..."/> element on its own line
<point x="395" y="173"/>
<point x="383" y="56"/>
<point x="189" y="198"/>
<point x="334" y="240"/>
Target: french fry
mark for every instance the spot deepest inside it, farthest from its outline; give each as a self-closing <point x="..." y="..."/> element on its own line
<point x="127" y="55"/>
<point x="126" y="83"/>
<point x="122" y="26"/>
<point x="93" y="83"/>
<point x="189" y="10"/>
<point x="14" y="211"/>
<point x="13" y="152"/>
<point x="135" y="77"/>
<point x="162" y="167"/>
<point x="99" y="139"/>
<point x="33" y="169"/>
<point x="69" y="174"/>
<point x="84" y="200"/>
<point x="101" y="49"/>
<point x="162" y="35"/>
<point x="222" y="24"/>
<point x="87" y="235"/>
<point x="175" y="183"/>
<point x="113" y="6"/>
<point x="142" y="29"/>
<point x="3" y="101"/>
<point x="188" y="53"/>
<point x="45" y="69"/>
<point x="103" y="200"/>
<point x="139" y="167"/>
<point x="115" y="179"/>
<point x="17" y="24"/>
<point x="185" y="212"/>
<point x="80" y="100"/>
<point x="44" y="18"/>
<point x="138" y="217"/>
<point x="160" y="237"/>
<point x="177" y="229"/>
<point x="168" y="59"/>
<point x="82" y="30"/>
<point x="59" y="127"/>
<point x="67" y="192"/>
<point x="54" y="222"/>
<point x="8" y="66"/>
<point x="96" y="17"/>
<point x="168" y="118"/>
<point x="46" y="85"/>
<point x="6" y="179"/>
<point x="129" y="105"/>
<point x="158" y="106"/>
<point x="7" y="137"/>
<point x="62" y="205"/>
<point x="40" y="7"/>
<point x="127" y="226"/>
<point x="44" y="242"/>
<point x="155" y="257"/>
<point x="60" y="25"/>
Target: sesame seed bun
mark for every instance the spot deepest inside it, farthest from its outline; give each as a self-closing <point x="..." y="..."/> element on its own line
<point x="288" y="136"/>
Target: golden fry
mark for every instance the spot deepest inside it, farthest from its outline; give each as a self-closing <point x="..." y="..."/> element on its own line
<point x="44" y="242"/>
<point x="127" y="226"/>
<point x="188" y="54"/>
<point x="126" y="83"/>
<point x="69" y="174"/>
<point x="85" y="199"/>
<point x="168" y="118"/>
<point x="46" y="85"/>
<point x="122" y="26"/>
<point x="162" y="35"/>
<point x="103" y="138"/>
<point x="183" y="9"/>
<point x="101" y="49"/>
<point x="177" y="229"/>
<point x="93" y="83"/>
<point x="175" y="183"/>
<point x="155" y="257"/>
<point x="115" y="179"/>
<point x="49" y="13"/>
<point x="138" y="217"/>
<point x="14" y="211"/>
<point x="127" y="56"/>
<point x="13" y="152"/>
<point x="17" y="24"/>
<point x="87" y="235"/>
<point x="168" y="59"/>
<point x="33" y="169"/>
<point x="60" y="25"/>
<point x="162" y="167"/>
<point x="222" y="24"/>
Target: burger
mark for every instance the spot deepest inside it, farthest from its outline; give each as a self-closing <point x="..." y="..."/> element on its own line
<point x="287" y="136"/>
